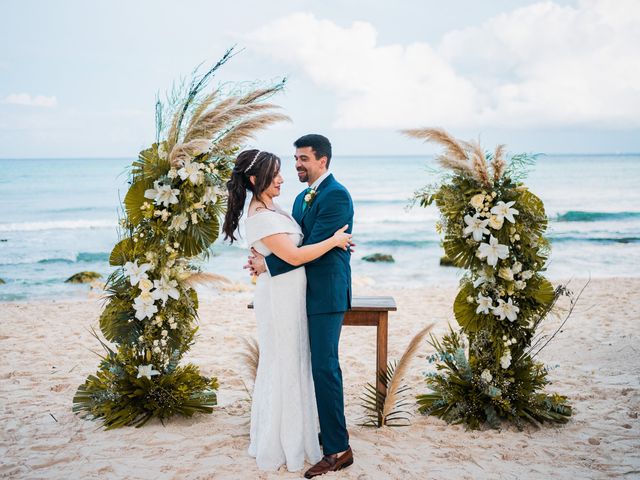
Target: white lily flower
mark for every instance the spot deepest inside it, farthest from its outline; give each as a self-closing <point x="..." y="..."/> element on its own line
<point x="493" y="251"/>
<point x="526" y="275"/>
<point x="136" y="272"/>
<point x="510" y="310"/>
<point x="191" y="171"/>
<point x="179" y="222"/>
<point x="143" y="308"/>
<point x="147" y="371"/>
<point x="484" y="278"/>
<point x="211" y="194"/>
<point x="165" y="288"/>
<point x="504" y="210"/>
<point x="498" y="311"/>
<point x="162" y="194"/>
<point x="484" y="304"/>
<point x="475" y="227"/>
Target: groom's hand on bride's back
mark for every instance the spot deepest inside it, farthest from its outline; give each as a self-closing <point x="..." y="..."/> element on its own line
<point x="255" y="263"/>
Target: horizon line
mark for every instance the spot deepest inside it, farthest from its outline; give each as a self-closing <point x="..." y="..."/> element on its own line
<point x="542" y="154"/>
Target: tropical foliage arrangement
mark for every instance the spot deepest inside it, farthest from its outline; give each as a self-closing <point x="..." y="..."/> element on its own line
<point x="172" y="214"/>
<point x="390" y="408"/>
<point x="493" y="227"/>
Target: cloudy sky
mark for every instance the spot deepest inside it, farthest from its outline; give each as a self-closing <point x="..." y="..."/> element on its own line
<point x="79" y="78"/>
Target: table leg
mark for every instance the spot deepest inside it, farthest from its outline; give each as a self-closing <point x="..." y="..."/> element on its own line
<point x="381" y="356"/>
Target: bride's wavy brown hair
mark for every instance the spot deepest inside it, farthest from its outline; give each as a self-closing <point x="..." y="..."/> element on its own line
<point x="264" y="169"/>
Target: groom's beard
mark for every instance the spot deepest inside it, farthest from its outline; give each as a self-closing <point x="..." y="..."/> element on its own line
<point x="303" y="175"/>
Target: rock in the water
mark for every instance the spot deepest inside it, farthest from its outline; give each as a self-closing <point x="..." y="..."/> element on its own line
<point x="446" y="262"/>
<point x="378" y="257"/>
<point x="2" y="281"/>
<point x="83" y="277"/>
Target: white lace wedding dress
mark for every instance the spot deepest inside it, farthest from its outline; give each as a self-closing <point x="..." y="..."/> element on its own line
<point x="283" y="413"/>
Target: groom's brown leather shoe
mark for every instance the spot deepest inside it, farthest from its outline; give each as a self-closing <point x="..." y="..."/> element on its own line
<point x="330" y="464"/>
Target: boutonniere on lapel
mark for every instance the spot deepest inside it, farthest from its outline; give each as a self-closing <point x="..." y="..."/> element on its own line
<point x="309" y="196"/>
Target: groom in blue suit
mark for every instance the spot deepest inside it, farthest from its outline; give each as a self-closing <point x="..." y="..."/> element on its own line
<point x="321" y="210"/>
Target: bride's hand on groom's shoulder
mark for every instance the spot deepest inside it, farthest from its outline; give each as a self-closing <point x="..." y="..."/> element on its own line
<point x="342" y="239"/>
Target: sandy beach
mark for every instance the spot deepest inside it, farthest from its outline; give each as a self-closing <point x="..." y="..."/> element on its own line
<point x="47" y="352"/>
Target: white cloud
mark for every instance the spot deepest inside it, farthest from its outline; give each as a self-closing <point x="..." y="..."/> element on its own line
<point x="543" y="65"/>
<point x="28" y="100"/>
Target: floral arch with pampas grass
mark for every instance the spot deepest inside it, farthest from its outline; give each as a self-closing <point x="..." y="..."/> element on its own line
<point x="172" y="214"/>
<point x="493" y="227"/>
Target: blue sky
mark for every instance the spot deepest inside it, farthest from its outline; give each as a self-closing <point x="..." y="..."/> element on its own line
<point x="79" y="78"/>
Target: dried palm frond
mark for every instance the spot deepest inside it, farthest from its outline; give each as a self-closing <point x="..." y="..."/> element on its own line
<point x="250" y="356"/>
<point x="454" y="147"/>
<point x="387" y="409"/>
<point x="455" y="164"/>
<point x="201" y="108"/>
<point x="498" y="163"/>
<point x="394" y="388"/>
<point x="247" y="129"/>
<point x="479" y="162"/>
<point x="218" y="118"/>
<point x="182" y="152"/>
<point x="204" y="278"/>
<point x="260" y="94"/>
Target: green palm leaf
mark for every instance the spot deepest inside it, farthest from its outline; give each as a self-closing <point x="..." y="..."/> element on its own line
<point x="199" y="237"/>
<point x="122" y="252"/>
<point x="465" y="312"/>
<point x="134" y="199"/>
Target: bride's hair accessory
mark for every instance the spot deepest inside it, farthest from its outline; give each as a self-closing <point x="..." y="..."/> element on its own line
<point x="252" y="162"/>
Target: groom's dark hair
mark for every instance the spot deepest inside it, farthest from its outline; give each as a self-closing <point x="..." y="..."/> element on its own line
<point x="320" y="145"/>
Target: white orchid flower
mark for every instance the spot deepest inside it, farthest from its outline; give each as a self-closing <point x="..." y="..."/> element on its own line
<point x="504" y="210"/>
<point x="476" y="227"/>
<point x="484" y="304"/>
<point x="136" y="272"/>
<point x="179" y="222"/>
<point x="165" y="288"/>
<point x="147" y="371"/>
<point x="492" y="251"/>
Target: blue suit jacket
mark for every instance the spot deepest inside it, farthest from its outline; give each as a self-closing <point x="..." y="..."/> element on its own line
<point x="328" y="277"/>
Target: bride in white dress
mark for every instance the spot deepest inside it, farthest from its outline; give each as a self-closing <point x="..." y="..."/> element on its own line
<point x="284" y="425"/>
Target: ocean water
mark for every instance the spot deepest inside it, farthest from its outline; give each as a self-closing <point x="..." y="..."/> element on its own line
<point x="59" y="217"/>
